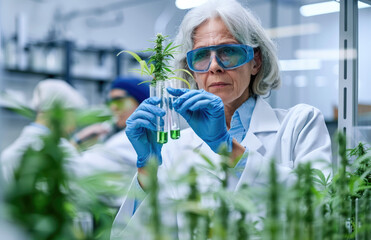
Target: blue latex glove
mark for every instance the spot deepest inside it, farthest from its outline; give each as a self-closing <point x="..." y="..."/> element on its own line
<point x="204" y="112"/>
<point x="141" y="131"/>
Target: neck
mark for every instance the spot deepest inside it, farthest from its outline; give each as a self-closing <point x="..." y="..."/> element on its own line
<point x="230" y="108"/>
<point x="228" y="115"/>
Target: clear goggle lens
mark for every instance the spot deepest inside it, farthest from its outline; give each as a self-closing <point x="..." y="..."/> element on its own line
<point x="228" y="56"/>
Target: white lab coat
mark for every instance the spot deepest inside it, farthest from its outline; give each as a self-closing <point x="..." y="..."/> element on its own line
<point x="31" y="137"/>
<point x="290" y="137"/>
<point x="115" y="155"/>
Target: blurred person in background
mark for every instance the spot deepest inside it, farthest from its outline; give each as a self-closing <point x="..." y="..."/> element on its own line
<point x="125" y="95"/>
<point x="46" y="95"/>
<point x="115" y="152"/>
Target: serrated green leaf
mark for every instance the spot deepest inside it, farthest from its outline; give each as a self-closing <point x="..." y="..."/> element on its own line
<point x="152" y="68"/>
<point x="91" y="116"/>
<point x="174" y="47"/>
<point x="167" y="47"/>
<point x="135" y="70"/>
<point x="148" y="50"/>
<point x="204" y="157"/>
<point x="144" y="67"/>
<point x="132" y="54"/>
<point x="320" y="175"/>
<point x="23" y="111"/>
<point x="147" y="81"/>
<point x="184" y="70"/>
<point x="183" y="80"/>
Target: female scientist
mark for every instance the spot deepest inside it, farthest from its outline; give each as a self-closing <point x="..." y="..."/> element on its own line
<point x="233" y="63"/>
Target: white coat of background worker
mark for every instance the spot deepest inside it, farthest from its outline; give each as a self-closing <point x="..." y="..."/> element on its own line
<point x="115" y="153"/>
<point x="46" y="94"/>
<point x="234" y="64"/>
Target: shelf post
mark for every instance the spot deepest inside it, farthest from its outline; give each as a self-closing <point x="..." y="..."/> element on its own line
<point x="348" y="68"/>
<point x="1" y="83"/>
<point x="118" y="62"/>
<point x="68" y="45"/>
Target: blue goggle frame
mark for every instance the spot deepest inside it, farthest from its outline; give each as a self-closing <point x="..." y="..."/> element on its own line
<point x="228" y="56"/>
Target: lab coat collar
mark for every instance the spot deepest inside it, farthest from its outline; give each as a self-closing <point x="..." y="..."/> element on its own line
<point x="263" y="118"/>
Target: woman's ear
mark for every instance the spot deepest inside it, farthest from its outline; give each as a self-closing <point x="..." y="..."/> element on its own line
<point x="257" y="61"/>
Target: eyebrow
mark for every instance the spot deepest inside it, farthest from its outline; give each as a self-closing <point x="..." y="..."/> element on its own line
<point x="222" y="43"/>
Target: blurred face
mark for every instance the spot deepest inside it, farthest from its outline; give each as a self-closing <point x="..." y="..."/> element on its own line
<point x="232" y="86"/>
<point x="68" y="120"/>
<point x="122" y="105"/>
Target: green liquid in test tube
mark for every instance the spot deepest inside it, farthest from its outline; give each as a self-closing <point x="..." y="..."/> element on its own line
<point x="162" y="137"/>
<point x="175" y="134"/>
<point x="174" y="122"/>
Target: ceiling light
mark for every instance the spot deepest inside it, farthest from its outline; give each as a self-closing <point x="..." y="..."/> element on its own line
<point x="186" y="4"/>
<point x="324" y="8"/>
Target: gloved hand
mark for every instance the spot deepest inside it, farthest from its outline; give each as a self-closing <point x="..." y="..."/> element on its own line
<point x="141" y="131"/>
<point x="204" y="112"/>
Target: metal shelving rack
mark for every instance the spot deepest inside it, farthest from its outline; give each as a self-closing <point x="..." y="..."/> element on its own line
<point x="66" y="72"/>
<point x="69" y="48"/>
<point x="348" y="66"/>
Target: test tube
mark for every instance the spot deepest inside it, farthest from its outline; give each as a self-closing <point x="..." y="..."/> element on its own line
<point x="158" y="89"/>
<point x="174" y="121"/>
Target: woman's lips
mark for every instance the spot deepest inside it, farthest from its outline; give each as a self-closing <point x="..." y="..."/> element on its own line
<point x="219" y="84"/>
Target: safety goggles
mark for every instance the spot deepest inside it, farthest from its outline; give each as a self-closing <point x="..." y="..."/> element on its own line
<point x="120" y="102"/>
<point x="228" y="56"/>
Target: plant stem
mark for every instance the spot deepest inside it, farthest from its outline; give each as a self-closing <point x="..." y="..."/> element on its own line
<point x="342" y="187"/>
<point x="273" y="198"/>
<point x="308" y="201"/>
<point x="193" y="196"/>
<point x="155" y="220"/>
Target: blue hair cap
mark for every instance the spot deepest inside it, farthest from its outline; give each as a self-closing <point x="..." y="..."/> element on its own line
<point x="132" y="87"/>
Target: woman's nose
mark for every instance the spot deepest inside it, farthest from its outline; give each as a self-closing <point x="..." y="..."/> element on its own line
<point x="214" y="65"/>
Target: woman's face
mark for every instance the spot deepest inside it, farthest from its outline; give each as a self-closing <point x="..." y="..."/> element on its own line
<point x="232" y="86"/>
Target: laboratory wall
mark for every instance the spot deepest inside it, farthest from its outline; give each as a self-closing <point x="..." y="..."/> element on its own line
<point x="124" y="25"/>
<point x="308" y="48"/>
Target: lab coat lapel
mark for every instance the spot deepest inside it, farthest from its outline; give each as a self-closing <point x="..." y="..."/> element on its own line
<point x="263" y="120"/>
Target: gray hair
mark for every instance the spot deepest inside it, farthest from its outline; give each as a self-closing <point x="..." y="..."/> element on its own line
<point x="245" y="28"/>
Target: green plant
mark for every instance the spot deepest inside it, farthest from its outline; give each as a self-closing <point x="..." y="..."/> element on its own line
<point x="157" y="66"/>
<point x="315" y="206"/>
<point x="37" y="198"/>
<point x="47" y="200"/>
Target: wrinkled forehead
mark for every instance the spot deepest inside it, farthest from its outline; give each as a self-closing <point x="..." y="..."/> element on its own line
<point x="212" y="32"/>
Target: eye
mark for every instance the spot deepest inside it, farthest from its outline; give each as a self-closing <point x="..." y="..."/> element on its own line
<point x="227" y="51"/>
<point x="201" y="55"/>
